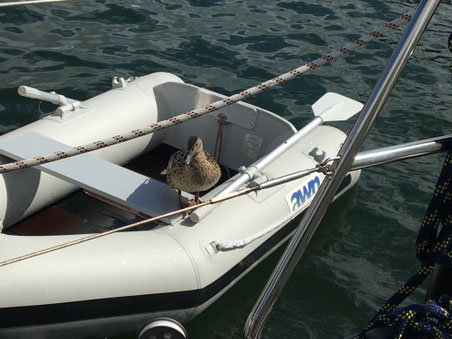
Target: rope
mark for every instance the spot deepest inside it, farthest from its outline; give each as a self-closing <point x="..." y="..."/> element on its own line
<point x="219" y="139"/>
<point x="346" y="49"/>
<point x="28" y="2"/>
<point x="322" y="167"/>
<point x="431" y="320"/>
<point x="232" y="245"/>
<point x="433" y="246"/>
<point x="103" y="234"/>
<point x="449" y="45"/>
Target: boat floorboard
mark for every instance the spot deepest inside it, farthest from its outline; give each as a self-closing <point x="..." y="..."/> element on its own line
<point x="81" y="213"/>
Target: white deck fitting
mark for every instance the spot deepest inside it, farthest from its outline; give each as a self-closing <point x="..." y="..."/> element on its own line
<point x="97" y="175"/>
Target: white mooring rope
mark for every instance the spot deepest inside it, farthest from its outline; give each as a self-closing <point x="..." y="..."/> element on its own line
<point x="346" y="49"/>
<point x="28" y="2"/>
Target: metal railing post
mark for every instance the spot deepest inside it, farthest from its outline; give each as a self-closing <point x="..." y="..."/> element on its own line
<point x="352" y="144"/>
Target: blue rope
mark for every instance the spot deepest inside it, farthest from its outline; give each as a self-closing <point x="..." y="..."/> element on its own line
<point x="449" y="42"/>
<point x="418" y="321"/>
<point x="449" y="45"/>
<point x="433" y="246"/>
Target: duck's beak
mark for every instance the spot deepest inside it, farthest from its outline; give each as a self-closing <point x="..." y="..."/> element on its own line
<point x="188" y="157"/>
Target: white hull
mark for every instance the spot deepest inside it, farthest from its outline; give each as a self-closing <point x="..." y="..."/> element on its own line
<point x="169" y="270"/>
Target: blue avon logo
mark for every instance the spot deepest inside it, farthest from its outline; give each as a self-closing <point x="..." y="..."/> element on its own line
<point x="308" y="190"/>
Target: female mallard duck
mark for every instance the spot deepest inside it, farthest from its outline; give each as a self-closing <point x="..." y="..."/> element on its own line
<point x="192" y="169"/>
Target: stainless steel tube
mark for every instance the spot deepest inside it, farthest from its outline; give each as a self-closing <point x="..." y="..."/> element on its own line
<point x="313" y="216"/>
<point x="399" y="152"/>
<point x="377" y="157"/>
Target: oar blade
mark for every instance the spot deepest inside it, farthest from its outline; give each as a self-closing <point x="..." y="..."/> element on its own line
<point x="335" y="107"/>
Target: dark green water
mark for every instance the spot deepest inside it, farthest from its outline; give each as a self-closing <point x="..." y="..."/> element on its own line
<point x="364" y="249"/>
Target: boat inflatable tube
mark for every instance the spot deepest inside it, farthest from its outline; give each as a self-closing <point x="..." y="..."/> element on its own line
<point x="129" y="106"/>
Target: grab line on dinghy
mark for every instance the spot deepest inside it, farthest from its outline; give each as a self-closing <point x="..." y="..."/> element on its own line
<point x="333" y="55"/>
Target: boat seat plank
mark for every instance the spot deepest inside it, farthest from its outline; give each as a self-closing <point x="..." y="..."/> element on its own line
<point x="97" y="175"/>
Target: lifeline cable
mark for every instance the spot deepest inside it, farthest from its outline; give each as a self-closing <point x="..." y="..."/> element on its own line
<point x="346" y="49"/>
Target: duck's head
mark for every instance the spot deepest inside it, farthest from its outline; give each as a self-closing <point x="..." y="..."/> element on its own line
<point x="194" y="146"/>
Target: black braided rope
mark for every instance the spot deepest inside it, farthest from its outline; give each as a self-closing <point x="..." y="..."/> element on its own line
<point x="433" y="246"/>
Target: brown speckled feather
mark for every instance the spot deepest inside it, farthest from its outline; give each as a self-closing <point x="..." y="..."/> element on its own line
<point x="202" y="173"/>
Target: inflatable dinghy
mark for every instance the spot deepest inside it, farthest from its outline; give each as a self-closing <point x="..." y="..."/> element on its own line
<point x="175" y="267"/>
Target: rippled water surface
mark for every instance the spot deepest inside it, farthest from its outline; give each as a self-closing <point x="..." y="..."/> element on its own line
<point x="364" y="248"/>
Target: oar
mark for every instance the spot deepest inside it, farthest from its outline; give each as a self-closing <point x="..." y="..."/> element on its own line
<point x="330" y="107"/>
